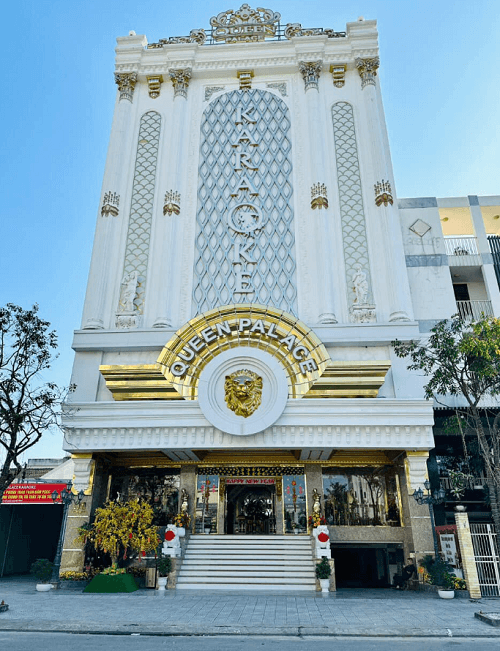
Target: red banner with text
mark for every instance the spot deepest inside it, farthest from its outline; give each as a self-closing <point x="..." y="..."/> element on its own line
<point x="31" y="493"/>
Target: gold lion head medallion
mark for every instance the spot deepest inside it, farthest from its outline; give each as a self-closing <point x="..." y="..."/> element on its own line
<point x="243" y="392"/>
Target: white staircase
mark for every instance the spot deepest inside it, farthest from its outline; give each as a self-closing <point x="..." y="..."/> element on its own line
<point x="269" y="563"/>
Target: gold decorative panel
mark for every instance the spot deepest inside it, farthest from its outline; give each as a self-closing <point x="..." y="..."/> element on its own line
<point x="350" y="380"/>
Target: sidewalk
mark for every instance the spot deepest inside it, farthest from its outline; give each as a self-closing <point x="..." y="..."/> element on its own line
<point x="149" y="612"/>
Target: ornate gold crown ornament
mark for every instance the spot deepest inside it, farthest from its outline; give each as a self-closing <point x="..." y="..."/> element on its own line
<point x="245" y="25"/>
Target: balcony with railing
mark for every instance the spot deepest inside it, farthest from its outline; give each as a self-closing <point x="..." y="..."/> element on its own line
<point x="474" y="310"/>
<point x="462" y="251"/>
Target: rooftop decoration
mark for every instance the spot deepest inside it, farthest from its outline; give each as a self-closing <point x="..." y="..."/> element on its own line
<point x="246" y="25"/>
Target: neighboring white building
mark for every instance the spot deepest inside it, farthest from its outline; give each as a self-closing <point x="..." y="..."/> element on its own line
<point x="251" y="267"/>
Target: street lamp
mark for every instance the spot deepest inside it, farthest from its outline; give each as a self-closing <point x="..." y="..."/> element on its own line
<point x="435" y="498"/>
<point x="66" y="497"/>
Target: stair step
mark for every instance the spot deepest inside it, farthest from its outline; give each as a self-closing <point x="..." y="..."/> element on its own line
<point x="252" y="579"/>
<point x="245" y="587"/>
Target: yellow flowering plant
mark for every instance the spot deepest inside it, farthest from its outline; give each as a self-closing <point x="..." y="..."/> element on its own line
<point x="182" y="520"/>
<point x="122" y="528"/>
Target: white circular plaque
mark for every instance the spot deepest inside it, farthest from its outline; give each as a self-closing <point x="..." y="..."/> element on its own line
<point x="212" y="394"/>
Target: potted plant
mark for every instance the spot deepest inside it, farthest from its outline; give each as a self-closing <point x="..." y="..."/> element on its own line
<point x="164" y="567"/>
<point x="323" y="572"/>
<point x="42" y="569"/>
<point x="181" y="521"/>
<point x="207" y="526"/>
<point x="439" y="573"/>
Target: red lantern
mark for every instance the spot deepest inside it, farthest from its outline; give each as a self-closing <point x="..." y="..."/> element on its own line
<point x="323" y="537"/>
<point x="169" y="535"/>
<point x="130" y="535"/>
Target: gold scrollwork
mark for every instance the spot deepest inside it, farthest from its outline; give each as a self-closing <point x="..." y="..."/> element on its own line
<point x="278" y="482"/>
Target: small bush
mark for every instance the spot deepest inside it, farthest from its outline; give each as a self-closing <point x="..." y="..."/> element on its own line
<point x="42" y="569"/>
<point x="323" y="569"/>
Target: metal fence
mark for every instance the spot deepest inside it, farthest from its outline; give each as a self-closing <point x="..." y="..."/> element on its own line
<point x="474" y="310"/>
<point x="485" y="544"/>
<point x="461" y="246"/>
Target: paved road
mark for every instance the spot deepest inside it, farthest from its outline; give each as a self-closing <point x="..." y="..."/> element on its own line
<point x="65" y="641"/>
<point x="345" y="613"/>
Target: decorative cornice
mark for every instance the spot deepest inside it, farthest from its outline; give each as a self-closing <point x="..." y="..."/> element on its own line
<point x="210" y="90"/>
<point x="126" y="83"/>
<point x="310" y="71"/>
<point x="367" y="69"/>
<point x="180" y="78"/>
<point x="154" y="85"/>
<point x="195" y="36"/>
<point x="295" y="30"/>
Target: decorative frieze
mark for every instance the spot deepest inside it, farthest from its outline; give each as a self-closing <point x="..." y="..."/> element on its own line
<point x="245" y="77"/>
<point x="367" y="69"/>
<point x="126" y="83"/>
<point x="180" y="80"/>
<point x="172" y="204"/>
<point x="154" y="85"/>
<point x="338" y="74"/>
<point x="319" y="197"/>
<point x="281" y="86"/>
<point x="310" y="71"/>
<point x="383" y="193"/>
<point x="210" y="90"/>
<point x="110" y="204"/>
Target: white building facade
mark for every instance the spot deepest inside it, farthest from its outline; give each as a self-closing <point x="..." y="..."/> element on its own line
<point x="251" y="268"/>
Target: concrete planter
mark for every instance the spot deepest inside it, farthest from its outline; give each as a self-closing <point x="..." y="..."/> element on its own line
<point x="43" y="587"/>
<point x="162" y="582"/>
<point x="325" y="585"/>
<point x="73" y="585"/>
<point x="446" y="594"/>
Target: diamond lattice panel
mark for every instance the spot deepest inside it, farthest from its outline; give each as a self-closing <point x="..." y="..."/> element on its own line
<point x="141" y="206"/>
<point x="271" y="245"/>
<point x="351" y="200"/>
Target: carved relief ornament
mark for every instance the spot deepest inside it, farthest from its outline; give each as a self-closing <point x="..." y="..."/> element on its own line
<point x="154" y="85"/>
<point x="338" y="74"/>
<point x="319" y="198"/>
<point x="126" y="82"/>
<point x="243" y="392"/>
<point x="383" y="193"/>
<point x="367" y="69"/>
<point x="110" y="204"/>
<point x="180" y="80"/>
<point x="310" y="71"/>
<point x="172" y="203"/>
<point x="244" y="25"/>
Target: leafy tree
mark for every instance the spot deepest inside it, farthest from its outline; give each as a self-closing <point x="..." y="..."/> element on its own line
<point x="463" y="359"/>
<point x="28" y="407"/>
<point x="120" y="529"/>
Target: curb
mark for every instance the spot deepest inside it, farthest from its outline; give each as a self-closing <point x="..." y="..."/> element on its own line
<point x="217" y="631"/>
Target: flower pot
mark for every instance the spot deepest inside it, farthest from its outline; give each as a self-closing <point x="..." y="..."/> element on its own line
<point x="43" y="587"/>
<point x="446" y="594"/>
<point x="325" y="585"/>
<point x="181" y="532"/>
<point x="207" y="530"/>
<point x="296" y="532"/>
<point x="162" y="582"/>
<point x="460" y="508"/>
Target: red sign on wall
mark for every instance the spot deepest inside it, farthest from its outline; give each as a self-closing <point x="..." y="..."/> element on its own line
<point x="31" y="493"/>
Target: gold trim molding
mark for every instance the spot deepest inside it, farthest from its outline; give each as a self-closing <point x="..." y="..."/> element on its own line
<point x="350" y="380"/>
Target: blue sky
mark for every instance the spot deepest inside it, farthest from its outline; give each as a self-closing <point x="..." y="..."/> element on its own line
<point x="439" y="76"/>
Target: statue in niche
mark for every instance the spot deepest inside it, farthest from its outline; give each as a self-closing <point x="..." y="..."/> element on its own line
<point x="360" y="286"/>
<point x="128" y="292"/>
<point x="316" y="499"/>
<point x="184" y="501"/>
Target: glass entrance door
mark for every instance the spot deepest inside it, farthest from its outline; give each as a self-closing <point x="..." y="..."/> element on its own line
<point x="250" y="509"/>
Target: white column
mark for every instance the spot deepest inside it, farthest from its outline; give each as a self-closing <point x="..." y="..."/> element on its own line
<point x="109" y="225"/>
<point x="400" y="306"/>
<point x="311" y="72"/>
<point x="167" y="233"/>
<point x="483" y="246"/>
